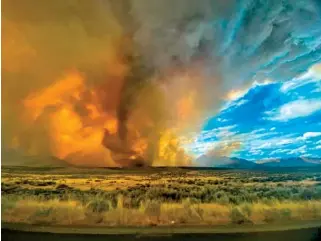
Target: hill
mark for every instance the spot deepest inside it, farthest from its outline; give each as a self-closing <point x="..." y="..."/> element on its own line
<point x="239" y="163"/>
<point x="290" y="162"/>
<point x="11" y="157"/>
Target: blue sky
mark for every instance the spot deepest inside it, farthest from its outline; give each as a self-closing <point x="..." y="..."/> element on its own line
<point x="265" y="52"/>
<point x="268" y="120"/>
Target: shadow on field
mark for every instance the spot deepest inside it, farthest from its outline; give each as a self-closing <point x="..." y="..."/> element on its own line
<point x="309" y="234"/>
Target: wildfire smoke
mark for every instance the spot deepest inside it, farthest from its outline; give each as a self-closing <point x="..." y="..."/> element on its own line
<point x="90" y="94"/>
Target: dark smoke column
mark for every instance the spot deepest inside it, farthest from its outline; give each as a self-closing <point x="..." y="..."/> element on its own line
<point x="135" y="80"/>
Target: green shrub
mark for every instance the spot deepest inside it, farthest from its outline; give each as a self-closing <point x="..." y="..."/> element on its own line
<point x="239" y="217"/>
<point x="273" y="214"/>
<point x="99" y="205"/>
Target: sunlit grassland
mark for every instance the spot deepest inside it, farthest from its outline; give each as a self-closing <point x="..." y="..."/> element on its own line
<point x="158" y="198"/>
<point x="102" y="212"/>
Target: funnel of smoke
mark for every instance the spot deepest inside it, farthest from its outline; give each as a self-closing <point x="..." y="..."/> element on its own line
<point x="105" y="97"/>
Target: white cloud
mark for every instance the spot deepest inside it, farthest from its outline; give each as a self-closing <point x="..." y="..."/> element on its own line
<point x="255" y="142"/>
<point x="264" y="82"/>
<point x="311" y="76"/>
<point x="300" y="150"/>
<point x="297" y="82"/>
<point x="308" y="135"/>
<point x="271" y="142"/>
<point x="225" y="133"/>
<point x="217" y="132"/>
<point x="317" y="90"/>
<point x="265" y="145"/>
<point x="311" y="134"/>
<point x="295" y="109"/>
<point x="222" y="120"/>
<point x="257" y="131"/>
<point x="277" y="151"/>
<point x="318" y="147"/>
<point x="226" y="127"/>
<point x="235" y="103"/>
<point x="256" y="152"/>
<point x="203" y="142"/>
<point x="235" y="96"/>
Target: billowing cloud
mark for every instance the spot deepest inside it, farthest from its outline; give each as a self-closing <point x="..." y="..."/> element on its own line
<point x="310" y="76"/>
<point x="311" y="134"/>
<point x="296" y="109"/>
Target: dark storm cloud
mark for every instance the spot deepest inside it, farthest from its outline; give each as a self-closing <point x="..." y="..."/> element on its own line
<point x="242" y="38"/>
<point x="275" y="35"/>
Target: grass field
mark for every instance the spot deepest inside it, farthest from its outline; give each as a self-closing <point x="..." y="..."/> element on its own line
<point x="158" y="196"/>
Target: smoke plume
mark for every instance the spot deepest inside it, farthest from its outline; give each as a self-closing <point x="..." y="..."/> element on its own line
<point x="123" y="83"/>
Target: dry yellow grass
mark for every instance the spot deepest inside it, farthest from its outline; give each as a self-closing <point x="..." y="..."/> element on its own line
<point x="107" y="183"/>
<point x="71" y="212"/>
<point x="45" y="212"/>
<point x="233" y="198"/>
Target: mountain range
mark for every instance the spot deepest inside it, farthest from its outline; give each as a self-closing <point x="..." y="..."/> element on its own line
<point x="11" y="157"/>
<point x="238" y="163"/>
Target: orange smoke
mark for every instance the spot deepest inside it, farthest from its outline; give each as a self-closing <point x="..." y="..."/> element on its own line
<point x="78" y="90"/>
<point x="170" y="151"/>
<point x="72" y="136"/>
<point x="77" y="117"/>
<point x="68" y="87"/>
<point x="81" y="124"/>
<point x="186" y="106"/>
<point x="235" y="94"/>
<point x="224" y="149"/>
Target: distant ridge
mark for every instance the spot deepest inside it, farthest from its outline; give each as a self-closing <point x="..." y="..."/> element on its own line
<point x="11" y="157"/>
<point x="291" y="162"/>
<point x="239" y="163"/>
